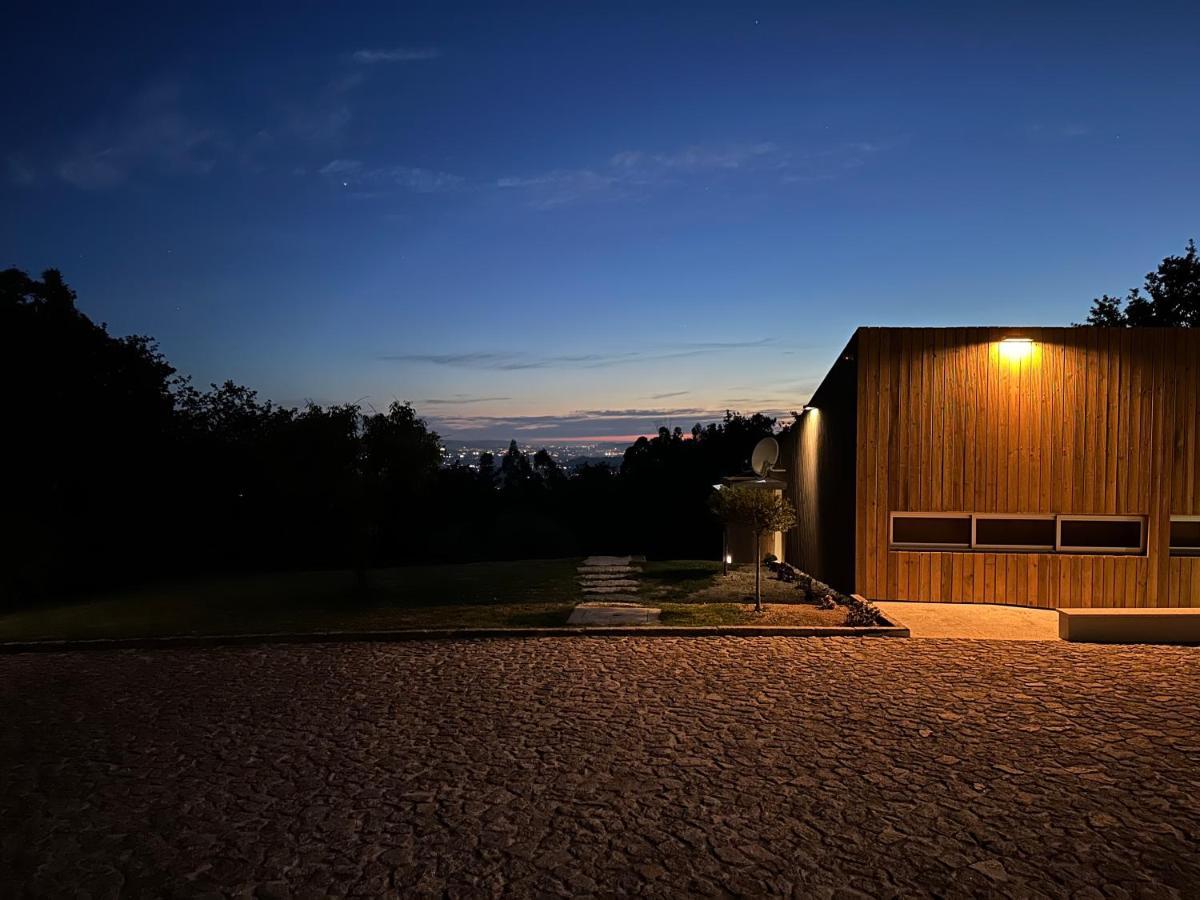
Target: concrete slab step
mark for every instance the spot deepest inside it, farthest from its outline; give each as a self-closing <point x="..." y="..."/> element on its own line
<point x="607" y="561"/>
<point x="613" y="615"/>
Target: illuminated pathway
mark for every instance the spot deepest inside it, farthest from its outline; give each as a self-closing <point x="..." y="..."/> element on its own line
<point x="568" y="766"/>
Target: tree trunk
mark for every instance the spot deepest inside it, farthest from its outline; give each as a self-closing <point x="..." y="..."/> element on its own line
<point x="758" y="607"/>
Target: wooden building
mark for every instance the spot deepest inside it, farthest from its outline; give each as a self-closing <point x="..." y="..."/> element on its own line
<point x="1049" y="467"/>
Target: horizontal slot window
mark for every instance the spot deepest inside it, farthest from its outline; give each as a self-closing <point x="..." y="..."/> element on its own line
<point x="1035" y="533"/>
<point x="1015" y="532"/>
<point x="910" y="530"/>
<point x="1185" y="535"/>
<point x="1101" y="534"/>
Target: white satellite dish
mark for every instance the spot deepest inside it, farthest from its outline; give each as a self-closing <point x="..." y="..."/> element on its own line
<point x="766" y="452"/>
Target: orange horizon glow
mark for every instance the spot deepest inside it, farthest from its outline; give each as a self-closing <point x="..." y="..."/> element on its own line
<point x="597" y="439"/>
<point x="601" y="439"/>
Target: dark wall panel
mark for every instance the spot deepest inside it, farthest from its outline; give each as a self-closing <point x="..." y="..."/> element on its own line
<point x="819" y="454"/>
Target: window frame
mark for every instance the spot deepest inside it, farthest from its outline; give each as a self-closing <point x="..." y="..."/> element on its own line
<point x="1175" y="550"/>
<point x="927" y="515"/>
<point x="1060" y="547"/>
<point x="1011" y="548"/>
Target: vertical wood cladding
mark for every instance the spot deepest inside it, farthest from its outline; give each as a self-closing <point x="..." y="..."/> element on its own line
<point x="1092" y="421"/>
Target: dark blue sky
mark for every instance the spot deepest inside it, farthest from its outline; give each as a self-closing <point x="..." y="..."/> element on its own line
<point x="569" y="220"/>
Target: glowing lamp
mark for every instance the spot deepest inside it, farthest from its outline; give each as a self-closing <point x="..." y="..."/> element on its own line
<point x="1015" y="349"/>
<point x="728" y="559"/>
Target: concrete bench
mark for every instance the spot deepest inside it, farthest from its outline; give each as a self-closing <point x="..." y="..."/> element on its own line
<point x="1130" y="626"/>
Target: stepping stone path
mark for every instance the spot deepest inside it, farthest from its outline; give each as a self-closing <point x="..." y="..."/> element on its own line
<point x="610" y="586"/>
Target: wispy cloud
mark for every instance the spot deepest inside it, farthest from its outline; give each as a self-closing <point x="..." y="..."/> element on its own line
<point x="157" y="132"/>
<point x="563" y="186"/>
<point x="667" y="395"/>
<point x="395" y="55"/>
<point x="462" y="400"/>
<point x="354" y="174"/>
<point x="634" y="173"/>
<point x="152" y="134"/>
<point x="701" y="158"/>
<point x="504" y="361"/>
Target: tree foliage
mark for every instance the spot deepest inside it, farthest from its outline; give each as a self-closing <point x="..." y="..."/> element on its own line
<point x="1171" y="298"/>
<point x="89" y="418"/>
<point x="762" y="511"/>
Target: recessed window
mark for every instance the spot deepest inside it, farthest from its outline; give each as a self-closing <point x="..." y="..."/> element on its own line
<point x="1035" y="533"/>
<point x="1014" y="532"/>
<point x="1101" y="534"/>
<point x="1185" y="535"/>
<point x="934" y="530"/>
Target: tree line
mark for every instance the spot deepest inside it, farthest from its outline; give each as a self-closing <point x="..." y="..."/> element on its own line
<point x="121" y="470"/>
<point x="1171" y="298"/>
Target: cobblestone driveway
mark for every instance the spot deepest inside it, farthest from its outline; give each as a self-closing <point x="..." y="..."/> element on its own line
<point x="703" y="766"/>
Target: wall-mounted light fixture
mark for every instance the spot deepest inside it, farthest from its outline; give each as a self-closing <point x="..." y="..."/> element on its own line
<point x="1015" y="349"/>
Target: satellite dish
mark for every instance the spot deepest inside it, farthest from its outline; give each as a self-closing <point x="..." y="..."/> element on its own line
<point x="766" y="452"/>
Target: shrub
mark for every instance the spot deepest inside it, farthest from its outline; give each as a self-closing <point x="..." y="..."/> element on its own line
<point x="815" y="591"/>
<point x="785" y="572"/>
<point x="862" y="613"/>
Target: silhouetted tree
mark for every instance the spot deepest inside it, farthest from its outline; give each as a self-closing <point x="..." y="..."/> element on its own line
<point x="87" y="423"/>
<point x="400" y="459"/>
<point x="546" y="468"/>
<point x="1172" y="297"/>
<point x="515" y="469"/>
<point x="487" y="469"/>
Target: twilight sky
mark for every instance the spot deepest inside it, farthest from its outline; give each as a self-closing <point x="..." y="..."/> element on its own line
<point x="579" y="219"/>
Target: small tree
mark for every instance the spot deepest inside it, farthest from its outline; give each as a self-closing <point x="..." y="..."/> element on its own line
<point x="763" y="512"/>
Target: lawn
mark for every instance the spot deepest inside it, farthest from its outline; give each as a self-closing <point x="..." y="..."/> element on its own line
<point x="529" y="593"/>
<point x="526" y="592"/>
<point x="694" y="592"/>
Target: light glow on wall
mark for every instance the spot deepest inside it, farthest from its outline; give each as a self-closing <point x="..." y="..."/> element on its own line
<point x="1015" y="349"/>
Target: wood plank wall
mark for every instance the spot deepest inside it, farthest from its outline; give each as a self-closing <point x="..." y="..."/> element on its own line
<point x="1094" y="421"/>
<point x="818" y="455"/>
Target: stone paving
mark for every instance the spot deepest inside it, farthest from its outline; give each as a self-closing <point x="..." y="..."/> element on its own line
<point x="609" y="585"/>
<point x="804" y="767"/>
